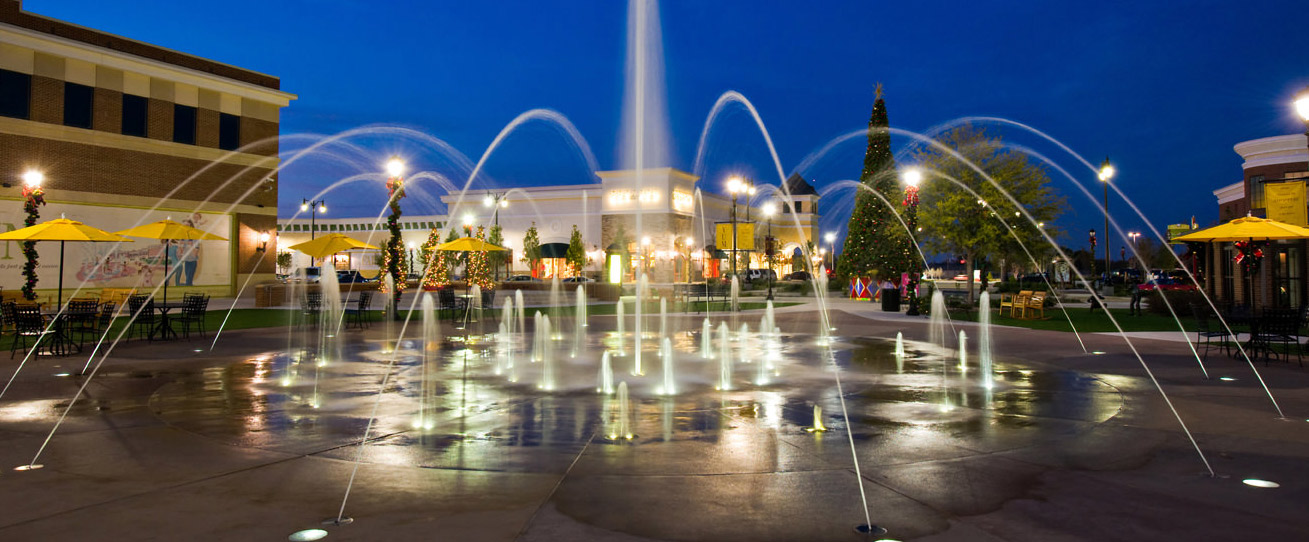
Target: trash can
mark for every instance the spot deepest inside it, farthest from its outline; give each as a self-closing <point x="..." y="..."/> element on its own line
<point x="890" y="300"/>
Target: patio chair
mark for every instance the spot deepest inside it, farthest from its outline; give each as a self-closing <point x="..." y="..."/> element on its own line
<point x="106" y="317"/>
<point x="81" y="317"/>
<point x="141" y="311"/>
<point x="311" y="305"/>
<point x="1034" y="303"/>
<point x="448" y="303"/>
<point x="7" y="315"/>
<point x="1281" y="326"/>
<point x="1207" y="330"/>
<point x="29" y="325"/>
<point x="193" y="313"/>
<point x="355" y="314"/>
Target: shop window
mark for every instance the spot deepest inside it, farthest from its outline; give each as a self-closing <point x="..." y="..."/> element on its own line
<point x="229" y="132"/>
<point x="183" y="124"/>
<point x="1256" y="191"/>
<point x="77" y="105"/>
<point x="1289" y="279"/>
<point x="135" y="113"/>
<point x="15" y="94"/>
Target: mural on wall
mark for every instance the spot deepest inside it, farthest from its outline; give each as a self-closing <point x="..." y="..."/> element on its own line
<point x="139" y="264"/>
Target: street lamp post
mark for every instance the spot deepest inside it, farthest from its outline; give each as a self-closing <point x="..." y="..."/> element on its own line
<point x="1133" y="236"/>
<point x="1106" y="173"/>
<point x="313" y="208"/>
<point x="911" y="179"/>
<point x="1092" y="236"/>
<point x="770" y="209"/>
<point x="495" y="201"/>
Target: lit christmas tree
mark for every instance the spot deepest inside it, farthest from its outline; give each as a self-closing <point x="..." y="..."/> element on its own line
<point x="479" y="269"/>
<point x="436" y="272"/>
<point x="876" y="243"/>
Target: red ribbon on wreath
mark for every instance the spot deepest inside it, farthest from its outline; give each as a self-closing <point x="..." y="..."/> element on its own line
<point x="1248" y="255"/>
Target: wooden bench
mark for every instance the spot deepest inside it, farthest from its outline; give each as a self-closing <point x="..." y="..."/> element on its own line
<point x="1013" y="301"/>
<point x="116" y="295"/>
<point x="702" y="296"/>
<point x="1034" y="303"/>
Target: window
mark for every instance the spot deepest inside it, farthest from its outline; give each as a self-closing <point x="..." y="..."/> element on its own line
<point x="15" y="94"/>
<point x="183" y="124"/>
<point x="134" y="115"/>
<point x="1229" y="273"/>
<point x="1256" y="191"/>
<point x="229" y="132"/>
<point x="77" y="105"/>
<point x="1288" y="276"/>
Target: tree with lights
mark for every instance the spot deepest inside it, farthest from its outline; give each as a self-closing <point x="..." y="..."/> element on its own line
<point x="531" y="249"/>
<point x="478" y="270"/>
<point x="956" y="221"/>
<point x="876" y="245"/>
<point x="498" y="258"/>
<point x="393" y="256"/>
<point x="436" y="270"/>
<point x="576" y="255"/>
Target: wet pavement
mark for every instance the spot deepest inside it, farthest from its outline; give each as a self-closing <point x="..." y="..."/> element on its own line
<point x="255" y="440"/>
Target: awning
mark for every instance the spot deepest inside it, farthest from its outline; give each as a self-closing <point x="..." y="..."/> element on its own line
<point x="554" y="250"/>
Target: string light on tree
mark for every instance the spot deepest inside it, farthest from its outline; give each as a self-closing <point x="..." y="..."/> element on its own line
<point x="33" y="199"/>
<point x="393" y="251"/>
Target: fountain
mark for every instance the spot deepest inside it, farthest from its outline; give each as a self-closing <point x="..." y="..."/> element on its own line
<point x="936" y="327"/>
<point x="389" y="315"/>
<point x="724" y="358"/>
<point x="620" y="420"/>
<point x="606" y="376"/>
<point x="622" y="331"/>
<point x="818" y="420"/>
<point x="984" y="342"/>
<point x="706" y="340"/>
<point x="641" y="284"/>
<point x="545" y="340"/>
<point x="670" y="379"/>
<point x="521" y="309"/>
<point x="963" y="352"/>
<point x="427" y="395"/>
<point x="663" y="317"/>
<point x="579" y="323"/>
<point x="736" y="294"/>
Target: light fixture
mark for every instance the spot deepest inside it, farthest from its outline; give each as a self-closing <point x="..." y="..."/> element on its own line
<point x="33" y="178"/>
<point x="1265" y="484"/>
<point x="912" y="177"/>
<point x="395" y="167"/>
<point x="322" y="207"/>
<point x="770" y="209"/>
<point x="1302" y="104"/>
<point x="263" y="242"/>
<point x="1106" y="170"/>
<point x="488" y="201"/>
<point x="830" y="237"/>
<point x="468" y="219"/>
<point x="645" y="240"/>
<point x="304" y="206"/>
<point x="734" y="185"/>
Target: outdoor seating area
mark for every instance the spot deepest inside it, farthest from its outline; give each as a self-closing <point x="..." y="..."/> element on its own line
<point x="1024" y="305"/>
<point x="1273" y="334"/>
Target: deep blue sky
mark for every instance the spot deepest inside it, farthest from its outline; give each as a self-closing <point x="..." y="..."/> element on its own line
<point x="1163" y="88"/>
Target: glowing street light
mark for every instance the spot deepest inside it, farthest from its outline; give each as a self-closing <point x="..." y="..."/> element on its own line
<point x="33" y="178"/>
<point x="1106" y="174"/>
<point x="394" y="247"/>
<point x="912" y="177"/>
<point x="395" y="167"/>
<point x="830" y="237"/>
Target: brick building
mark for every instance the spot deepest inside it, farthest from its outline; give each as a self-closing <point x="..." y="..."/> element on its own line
<point x="127" y="132"/>
<point x="1281" y="278"/>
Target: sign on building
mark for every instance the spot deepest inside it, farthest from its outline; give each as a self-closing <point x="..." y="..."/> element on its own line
<point x="744" y="236"/>
<point x="1285" y="202"/>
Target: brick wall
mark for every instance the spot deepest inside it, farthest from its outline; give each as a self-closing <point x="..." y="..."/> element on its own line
<point x="47" y="100"/>
<point x="107" y="111"/>
<point x="206" y="121"/>
<point x="248" y="258"/>
<point x="159" y="119"/>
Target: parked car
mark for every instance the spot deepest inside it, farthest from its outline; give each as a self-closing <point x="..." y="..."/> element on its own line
<point x="352" y="276"/>
<point x="798" y="275"/>
<point x="1128" y="276"/>
<point x="960" y="276"/>
<point x="578" y="279"/>
<point x="1166" y="284"/>
<point x="522" y="278"/>
<point x="307" y="275"/>
<point x="752" y="275"/>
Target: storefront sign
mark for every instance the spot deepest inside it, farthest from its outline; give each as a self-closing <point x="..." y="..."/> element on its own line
<point x="1285" y="202"/>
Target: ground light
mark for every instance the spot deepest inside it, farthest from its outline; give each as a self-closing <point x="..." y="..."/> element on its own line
<point x="1255" y="482"/>
<point x="1227" y="379"/>
<point x="870" y="529"/>
<point x="30" y="466"/>
<point x="308" y="534"/>
<point x="1098" y="353"/>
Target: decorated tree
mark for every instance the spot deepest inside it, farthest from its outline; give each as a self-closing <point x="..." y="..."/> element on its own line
<point x="33" y="199"/>
<point x="436" y="269"/>
<point x="393" y="256"/>
<point x="576" y="255"/>
<point x="876" y="244"/>
<point x="971" y="219"/>
<point x="478" y="271"/>
<point x="531" y="249"/>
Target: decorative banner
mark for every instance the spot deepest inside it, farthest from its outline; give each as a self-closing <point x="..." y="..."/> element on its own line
<point x="861" y="288"/>
<point x="744" y="236"/>
<point x="1285" y="202"/>
<point x="1178" y="230"/>
<point x="139" y="264"/>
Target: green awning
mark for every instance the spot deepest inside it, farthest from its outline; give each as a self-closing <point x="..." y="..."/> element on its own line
<point x="554" y="250"/>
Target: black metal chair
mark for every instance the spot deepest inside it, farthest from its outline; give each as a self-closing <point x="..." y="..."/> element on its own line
<point x="1281" y="326"/>
<point x="141" y="311"/>
<point x="448" y="303"/>
<point x="106" y="316"/>
<point x="1209" y="329"/>
<point x="81" y="318"/>
<point x="311" y="305"/>
<point x="28" y="325"/>
<point x="7" y="316"/>
<point x="355" y="314"/>
<point x="193" y="313"/>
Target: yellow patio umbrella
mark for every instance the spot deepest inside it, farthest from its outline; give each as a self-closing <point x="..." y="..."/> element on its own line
<point x="327" y="245"/>
<point x="62" y="230"/>
<point x="170" y="231"/>
<point x="469" y="244"/>
<point x="1247" y="228"/>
